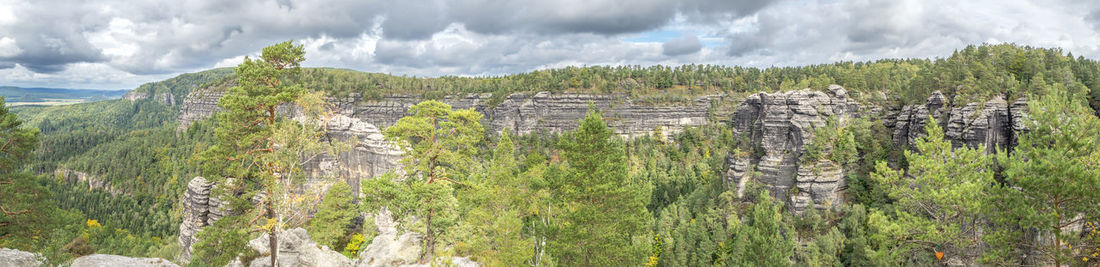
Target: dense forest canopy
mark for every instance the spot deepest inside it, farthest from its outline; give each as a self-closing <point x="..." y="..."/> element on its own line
<point x="589" y="198"/>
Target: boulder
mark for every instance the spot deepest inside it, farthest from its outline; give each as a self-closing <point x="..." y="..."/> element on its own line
<point x="103" y="260"/>
<point x="296" y="249"/>
<point x="17" y="258"/>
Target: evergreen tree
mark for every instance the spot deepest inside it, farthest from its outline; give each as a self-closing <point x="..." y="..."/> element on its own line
<point x="330" y="225"/>
<point x="605" y="216"/>
<point x="439" y="144"/>
<point x="764" y="240"/>
<point x="26" y="208"/>
<point x="494" y="223"/>
<point x="938" y="198"/>
<point x="258" y="153"/>
<point x="1049" y="202"/>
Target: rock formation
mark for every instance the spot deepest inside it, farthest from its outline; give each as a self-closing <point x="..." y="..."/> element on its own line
<point x="77" y="177"/>
<point x="993" y="124"/>
<point x="165" y="98"/>
<point x="778" y="126"/>
<point x="296" y="249"/>
<point x="100" y="260"/>
<point x="17" y="258"/>
<point x="520" y="112"/>
<point x="199" y="210"/>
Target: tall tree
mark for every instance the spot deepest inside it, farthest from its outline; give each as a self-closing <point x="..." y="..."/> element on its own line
<point x="493" y="224"/>
<point x="330" y="225"/>
<point x="764" y="240"/>
<point x="1050" y="198"/>
<point x="938" y="198"/>
<point x="258" y="152"/>
<point x="26" y="208"/>
<point x="605" y="211"/>
<point x="439" y="144"/>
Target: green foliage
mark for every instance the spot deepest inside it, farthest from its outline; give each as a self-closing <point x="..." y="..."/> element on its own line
<point x="26" y="208"/>
<point x="1050" y="188"/>
<point x="220" y="243"/>
<point x="439" y="145"/>
<point x="497" y="200"/>
<point x="764" y="240"/>
<point x="938" y="203"/>
<point x="605" y="210"/>
<point x="330" y="226"/>
<point x="259" y="151"/>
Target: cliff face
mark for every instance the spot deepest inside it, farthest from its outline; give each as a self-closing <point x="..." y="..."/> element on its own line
<point x="993" y="124"/>
<point x="521" y="112"/>
<point x="777" y="127"/>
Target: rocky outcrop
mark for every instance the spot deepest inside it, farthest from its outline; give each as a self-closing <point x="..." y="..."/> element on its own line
<point x="198" y="105"/>
<point x="390" y="248"/>
<point x="777" y="127"/>
<point x="17" y="258"/>
<point x="994" y="124"/>
<point x="101" y="260"/>
<point x="774" y="129"/>
<point x="93" y="182"/>
<point x="369" y="155"/>
<point x="166" y="99"/>
<point x="520" y="112"/>
<point x="393" y="248"/>
<point x="296" y="249"/>
<point x="199" y="209"/>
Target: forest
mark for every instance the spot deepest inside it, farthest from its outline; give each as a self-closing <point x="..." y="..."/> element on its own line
<point x="584" y="197"/>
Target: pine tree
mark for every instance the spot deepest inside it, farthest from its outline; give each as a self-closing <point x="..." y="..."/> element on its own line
<point x="1051" y="187"/>
<point x="26" y="208"/>
<point x="493" y="225"/>
<point x="604" y="210"/>
<point x="439" y="145"/>
<point x="938" y="198"/>
<point x="258" y="152"/>
<point x="329" y="226"/>
<point x="764" y="240"/>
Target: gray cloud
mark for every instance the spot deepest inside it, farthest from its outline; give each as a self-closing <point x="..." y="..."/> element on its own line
<point x="117" y="44"/>
<point x="687" y="44"/>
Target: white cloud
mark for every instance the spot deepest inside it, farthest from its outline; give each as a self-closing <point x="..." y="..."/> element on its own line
<point x="116" y="44"/>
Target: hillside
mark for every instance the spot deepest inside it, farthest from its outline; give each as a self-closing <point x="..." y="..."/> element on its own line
<point x="717" y="162"/>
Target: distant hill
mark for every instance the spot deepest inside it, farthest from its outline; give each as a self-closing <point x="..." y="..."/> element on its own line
<point x="56" y="96"/>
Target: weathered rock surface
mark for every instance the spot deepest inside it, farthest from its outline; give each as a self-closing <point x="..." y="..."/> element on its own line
<point x="392" y="248"/>
<point x="165" y="98"/>
<point x="296" y="249"/>
<point x="520" y="112"/>
<point x="17" y="258"/>
<point x="389" y="248"/>
<point x="369" y="156"/>
<point x="199" y="209"/>
<point x="103" y="260"/>
<point x="993" y="124"/>
<point x="78" y="177"/>
<point x="778" y="126"/>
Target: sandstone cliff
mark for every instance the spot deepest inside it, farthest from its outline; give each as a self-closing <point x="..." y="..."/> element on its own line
<point x="777" y="127"/>
<point x="520" y="112"/>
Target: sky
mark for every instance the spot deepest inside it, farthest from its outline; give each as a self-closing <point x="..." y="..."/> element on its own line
<point x="114" y="44"/>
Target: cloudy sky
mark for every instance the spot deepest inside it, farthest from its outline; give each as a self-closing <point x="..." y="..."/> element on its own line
<point x="108" y="44"/>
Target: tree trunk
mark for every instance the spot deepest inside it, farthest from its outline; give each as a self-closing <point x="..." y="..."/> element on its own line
<point x="272" y="238"/>
<point x="429" y="239"/>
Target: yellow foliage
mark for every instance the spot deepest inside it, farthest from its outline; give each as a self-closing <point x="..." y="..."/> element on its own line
<point x="93" y="223"/>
